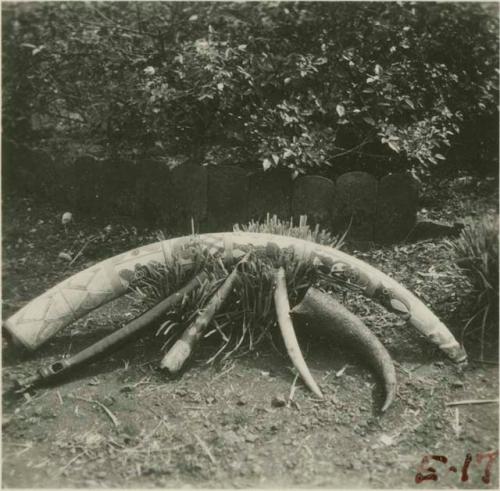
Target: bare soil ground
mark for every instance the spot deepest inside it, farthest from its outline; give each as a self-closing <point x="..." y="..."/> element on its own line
<point x="122" y="423"/>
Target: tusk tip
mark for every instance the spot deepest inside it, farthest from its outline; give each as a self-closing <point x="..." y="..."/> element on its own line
<point x="388" y="400"/>
<point x="318" y="393"/>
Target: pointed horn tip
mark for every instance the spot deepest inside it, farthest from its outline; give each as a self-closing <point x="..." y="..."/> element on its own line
<point x="389" y="399"/>
<point x="386" y="405"/>
<point x="319" y="394"/>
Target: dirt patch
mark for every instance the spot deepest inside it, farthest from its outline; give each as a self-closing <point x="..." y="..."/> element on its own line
<point x="122" y="423"/>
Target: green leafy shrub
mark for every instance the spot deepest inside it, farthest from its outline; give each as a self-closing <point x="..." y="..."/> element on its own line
<point x="309" y="86"/>
<point x="476" y="250"/>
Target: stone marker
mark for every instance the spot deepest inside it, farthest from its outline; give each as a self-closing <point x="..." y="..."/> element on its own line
<point x="355" y="204"/>
<point x="431" y="229"/>
<point x="270" y="192"/>
<point x="189" y="196"/>
<point x="12" y="157"/>
<point x="313" y="196"/>
<point x="227" y="197"/>
<point x="153" y="193"/>
<point x="119" y="177"/>
<point x="86" y="183"/>
<point x="396" y="208"/>
<point x="44" y="173"/>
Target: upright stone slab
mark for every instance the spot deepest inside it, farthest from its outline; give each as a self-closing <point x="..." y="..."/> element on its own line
<point x="11" y="156"/>
<point x="120" y="176"/>
<point x="26" y="170"/>
<point x="355" y="205"/>
<point x="227" y="197"/>
<point x="87" y="184"/>
<point x="40" y="173"/>
<point x="270" y="192"/>
<point x="153" y="192"/>
<point x="313" y="196"/>
<point x="396" y="208"/>
<point x="189" y="196"/>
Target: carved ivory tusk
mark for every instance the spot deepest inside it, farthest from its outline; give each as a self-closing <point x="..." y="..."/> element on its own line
<point x="83" y="292"/>
<point x="288" y="333"/>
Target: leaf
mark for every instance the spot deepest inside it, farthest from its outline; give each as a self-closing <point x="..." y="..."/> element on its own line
<point x="65" y="256"/>
<point x="378" y="70"/>
<point x="275" y="158"/>
<point x="37" y="50"/>
<point x="399" y="306"/>
<point x="220" y="86"/>
<point x="193" y="18"/>
<point x="369" y="120"/>
<point x="394" y="146"/>
<point x="266" y="164"/>
<point x="205" y="96"/>
<point x="410" y="103"/>
<point x="440" y="157"/>
<point x="340" y="110"/>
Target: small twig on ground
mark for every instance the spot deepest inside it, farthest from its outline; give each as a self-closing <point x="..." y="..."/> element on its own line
<point x="328" y="373"/>
<point x="111" y="416"/>
<point x="486" y="362"/>
<point x="292" y="389"/>
<point x="225" y="371"/>
<point x="471" y="402"/>
<point x="341" y="371"/>
<point x="26" y="447"/>
<point x="80" y="252"/>
<point x="205" y="448"/>
<point x="74" y="459"/>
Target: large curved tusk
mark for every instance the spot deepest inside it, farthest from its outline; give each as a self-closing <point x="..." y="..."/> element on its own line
<point x="286" y="327"/>
<point x="74" y="297"/>
<point x="318" y="309"/>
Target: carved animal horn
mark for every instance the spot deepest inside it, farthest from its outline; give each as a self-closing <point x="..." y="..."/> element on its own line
<point x="286" y="327"/>
<point x="76" y="296"/>
<point x="318" y="309"/>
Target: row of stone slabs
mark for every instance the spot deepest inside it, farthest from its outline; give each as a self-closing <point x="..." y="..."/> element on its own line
<point x="383" y="211"/>
<point x="217" y="197"/>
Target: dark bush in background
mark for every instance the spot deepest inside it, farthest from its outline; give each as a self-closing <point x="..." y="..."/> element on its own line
<point x="312" y="87"/>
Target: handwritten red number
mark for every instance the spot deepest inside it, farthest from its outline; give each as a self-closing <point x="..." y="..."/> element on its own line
<point x="491" y="456"/>
<point x="440" y="458"/>
<point x="420" y="477"/>
<point x="465" y="467"/>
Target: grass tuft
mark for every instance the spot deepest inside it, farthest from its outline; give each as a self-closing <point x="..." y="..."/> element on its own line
<point x="273" y="225"/>
<point x="476" y="251"/>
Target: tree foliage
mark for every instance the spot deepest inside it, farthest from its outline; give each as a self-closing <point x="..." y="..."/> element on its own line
<point x="297" y="85"/>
